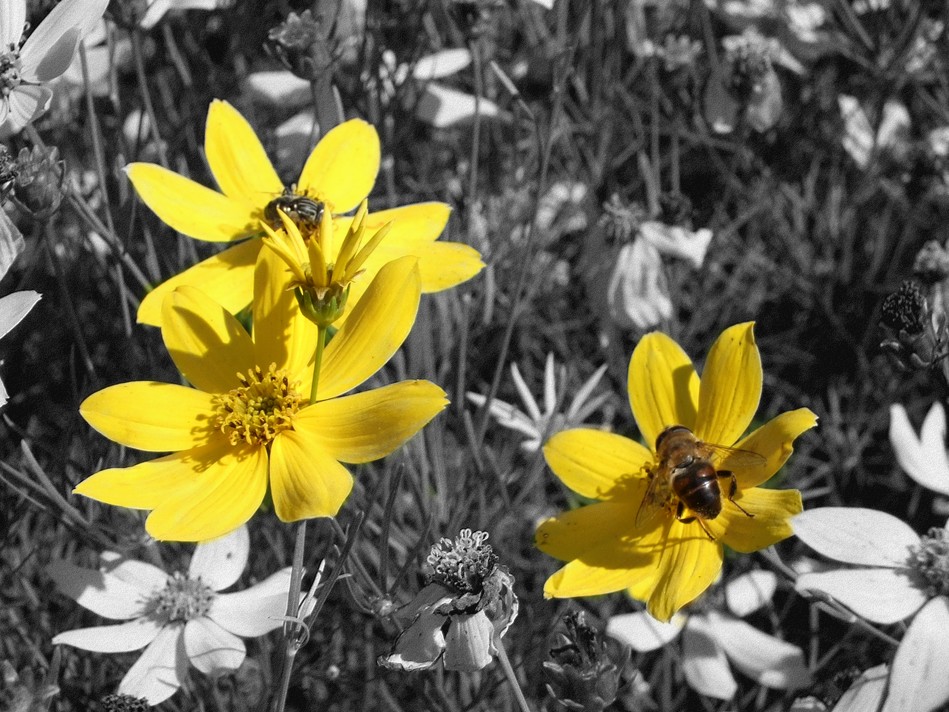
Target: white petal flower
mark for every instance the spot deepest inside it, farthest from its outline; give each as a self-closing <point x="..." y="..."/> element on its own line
<point x="43" y="57"/>
<point x="176" y="619"/>
<point x="638" y="294"/>
<point x="859" y="139"/>
<point x="677" y="241"/>
<point x="536" y="424"/>
<point x="886" y="592"/>
<point x="917" y="680"/>
<point x="714" y="641"/>
<point x="923" y="458"/>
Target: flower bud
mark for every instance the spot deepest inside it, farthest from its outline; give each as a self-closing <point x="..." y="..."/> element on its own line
<point x="300" y="43"/>
<point x="583" y="673"/>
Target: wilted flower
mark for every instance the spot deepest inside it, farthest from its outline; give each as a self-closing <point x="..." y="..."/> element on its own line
<point x="666" y="559"/>
<point x="923" y="458"/>
<point x="463" y="612"/>
<point x="860" y="140"/>
<point x="918" y="332"/>
<point x="37" y="184"/>
<point x="176" y="618"/>
<point x="25" y="66"/>
<point x="583" y="672"/>
<point x="714" y="636"/>
<point x="900" y="574"/>
<point x="538" y="425"/>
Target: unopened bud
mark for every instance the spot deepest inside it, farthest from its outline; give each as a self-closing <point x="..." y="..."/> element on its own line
<point x="300" y="43"/>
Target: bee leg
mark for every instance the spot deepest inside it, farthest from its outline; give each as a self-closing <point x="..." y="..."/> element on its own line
<point x="732" y="489"/>
<point x="688" y="520"/>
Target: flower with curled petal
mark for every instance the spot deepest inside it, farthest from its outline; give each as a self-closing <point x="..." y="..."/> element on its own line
<point x="338" y="175"/>
<point x="664" y="560"/>
<point x="176" y="618"/>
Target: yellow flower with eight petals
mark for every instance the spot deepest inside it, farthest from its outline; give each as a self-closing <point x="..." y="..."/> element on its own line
<point x="247" y="424"/>
<point x="662" y="560"/>
<point x="338" y="174"/>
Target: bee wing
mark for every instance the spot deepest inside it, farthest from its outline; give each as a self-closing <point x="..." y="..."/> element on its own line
<point x="649" y="506"/>
<point x="735" y="456"/>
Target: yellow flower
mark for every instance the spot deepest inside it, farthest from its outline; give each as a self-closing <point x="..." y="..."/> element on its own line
<point x="659" y="559"/>
<point x="322" y="287"/>
<point x="247" y="422"/>
<point x="337" y="176"/>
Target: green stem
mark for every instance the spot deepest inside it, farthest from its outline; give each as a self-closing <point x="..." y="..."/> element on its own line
<point x="318" y="361"/>
<point x="511" y="677"/>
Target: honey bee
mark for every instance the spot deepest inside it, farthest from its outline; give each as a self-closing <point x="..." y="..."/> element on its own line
<point x="305" y="212"/>
<point x="686" y="474"/>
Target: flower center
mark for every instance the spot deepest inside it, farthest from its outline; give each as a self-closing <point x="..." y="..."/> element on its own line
<point x="9" y="72"/>
<point x="262" y="406"/>
<point x="182" y="599"/>
<point x="465" y="563"/>
<point x="930" y="561"/>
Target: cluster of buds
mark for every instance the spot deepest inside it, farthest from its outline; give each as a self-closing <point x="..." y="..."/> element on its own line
<point x="917" y="314"/>
<point x="583" y="672"/>
<point x="34" y="180"/>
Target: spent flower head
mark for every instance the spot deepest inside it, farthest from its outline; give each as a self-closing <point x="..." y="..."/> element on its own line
<point x="176" y="618"/>
<point x="124" y="703"/>
<point x="301" y="44"/>
<point x="460" y="616"/>
<point x="36" y="185"/>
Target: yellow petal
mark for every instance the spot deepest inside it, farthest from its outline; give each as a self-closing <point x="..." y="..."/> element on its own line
<point x="189" y="207"/>
<point x="148" y="484"/>
<point x="370" y="425"/>
<point x="342" y="168"/>
<point x="597" y="464"/>
<point x="774" y="440"/>
<point x="304" y="480"/>
<point x="663" y="386"/>
<point x="579" y="578"/>
<point x="226" y="277"/>
<point x="442" y="265"/>
<point x="237" y="159"/>
<point x="731" y="386"/>
<point x="207" y="344"/>
<point x="688" y="565"/>
<point x="222" y="497"/>
<point x="772" y="510"/>
<point x="374" y="331"/>
<point x="157" y="417"/>
<point x="573" y="534"/>
<point x="282" y="335"/>
<point x="413" y="225"/>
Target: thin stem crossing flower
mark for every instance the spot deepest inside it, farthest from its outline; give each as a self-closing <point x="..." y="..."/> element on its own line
<point x="665" y="559"/>
<point x="248" y="423"/>
<point x="336" y="177"/>
<point x="176" y="618"/>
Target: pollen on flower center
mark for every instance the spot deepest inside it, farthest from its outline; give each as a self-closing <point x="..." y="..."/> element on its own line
<point x="465" y="563"/>
<point x="262" y="406"/>
<point x="930" y="562"/>
<point x="182" y="599"/>
<point x="9" y="72"/>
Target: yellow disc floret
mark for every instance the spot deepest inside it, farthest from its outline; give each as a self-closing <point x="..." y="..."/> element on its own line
<point x="262" y="406"/>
